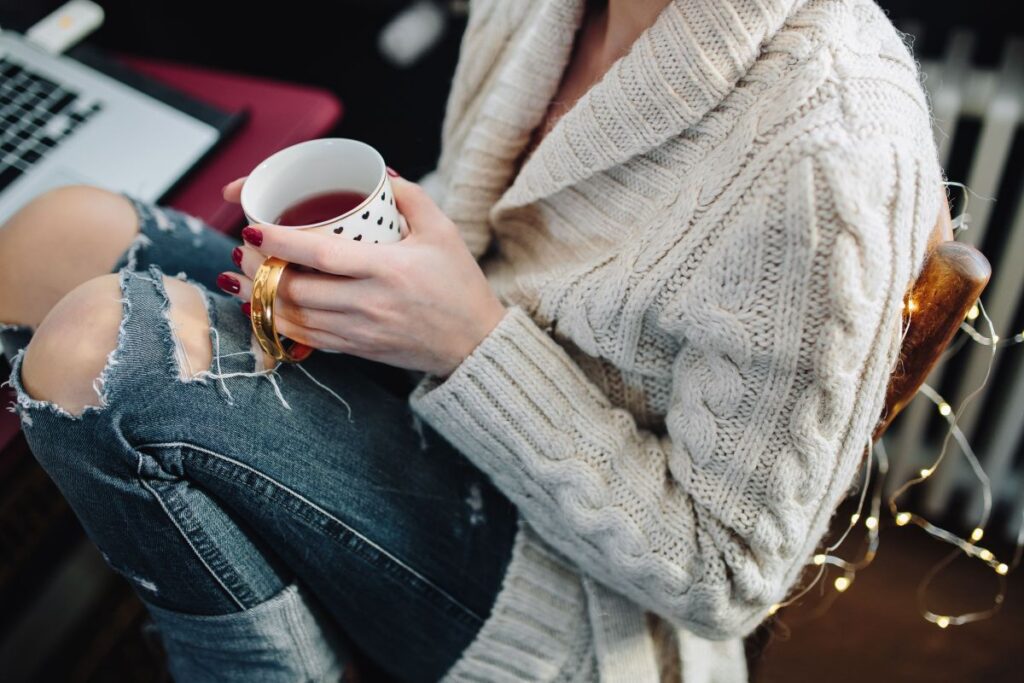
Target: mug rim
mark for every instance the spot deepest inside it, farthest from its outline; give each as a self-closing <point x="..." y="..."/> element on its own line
<point x="253" y="218"/>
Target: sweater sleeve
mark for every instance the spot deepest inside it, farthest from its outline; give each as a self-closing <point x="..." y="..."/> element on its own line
<point x="786" y="338"/>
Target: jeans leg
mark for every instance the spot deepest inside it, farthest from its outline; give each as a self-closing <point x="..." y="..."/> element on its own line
<point x="173" y="240"/>
<point x="227" y="607"/>
<point x="178" y="243"/>
<point x="261" y="479"/>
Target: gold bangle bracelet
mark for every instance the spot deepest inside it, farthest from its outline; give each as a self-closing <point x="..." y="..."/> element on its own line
<point x="264" y="290"/>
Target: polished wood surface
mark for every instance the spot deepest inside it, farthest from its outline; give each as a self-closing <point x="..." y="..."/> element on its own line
<point x="951" y="280"/>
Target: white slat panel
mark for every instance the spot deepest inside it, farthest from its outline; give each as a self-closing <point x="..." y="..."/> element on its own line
<point x="1001" y="296"/>
<point x="947" y="83"/>
<point x="1009" y="424"/>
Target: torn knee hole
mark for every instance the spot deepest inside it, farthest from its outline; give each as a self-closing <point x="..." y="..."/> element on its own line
<point x="65" y="362"/>
<point x="189" y="320"/>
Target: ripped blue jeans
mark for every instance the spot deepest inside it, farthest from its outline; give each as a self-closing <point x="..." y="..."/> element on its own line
<point x="271" y="521"/>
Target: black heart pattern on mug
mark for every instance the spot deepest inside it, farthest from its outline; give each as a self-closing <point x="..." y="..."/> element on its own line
<point x="338" y="230"/>
<point x="380" y="221"/>
<point x="366" y="215"/>
<point x="357" y="238"/>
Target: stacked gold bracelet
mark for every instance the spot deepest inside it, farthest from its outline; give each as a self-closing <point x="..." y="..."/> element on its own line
<point x="264" y="290"/>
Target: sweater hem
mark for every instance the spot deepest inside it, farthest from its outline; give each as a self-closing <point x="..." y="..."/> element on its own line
<point x="537" y="628"/>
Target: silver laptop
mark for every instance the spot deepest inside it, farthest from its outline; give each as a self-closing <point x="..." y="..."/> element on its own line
<point x="62" y="122"/>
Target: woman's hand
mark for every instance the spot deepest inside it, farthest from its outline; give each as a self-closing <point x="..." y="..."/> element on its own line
<point x="421" y="303"/>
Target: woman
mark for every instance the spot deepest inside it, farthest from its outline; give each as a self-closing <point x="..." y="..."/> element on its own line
<point x="656" y="316"/>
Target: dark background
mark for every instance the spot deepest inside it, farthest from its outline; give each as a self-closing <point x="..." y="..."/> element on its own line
<point x="333" y="45"/>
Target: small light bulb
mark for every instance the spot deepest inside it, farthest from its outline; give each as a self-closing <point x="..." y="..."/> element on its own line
<point x="773" y="609"/>
<point x="977" y="534"/>
<point x="942" y="622"/>
<point x="995" y="339"/>
<point x="902" y="518"/>
<point x="871" y="522"/>
<point x="973" y="313"/>
<point x="1001" y="568"/>
<point x="854" y="517"/>
<point x="842" y="583"/>
<point x="925" y="473"/>
<point x="819" y="559"/>
<point x="944" y="409"/>
<point x="986" y="555"/>
<point x="911" y="305"/>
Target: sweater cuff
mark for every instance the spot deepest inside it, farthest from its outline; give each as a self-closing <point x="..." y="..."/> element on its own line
<point x="504" y="397"/>
<point x="432" y="391"/>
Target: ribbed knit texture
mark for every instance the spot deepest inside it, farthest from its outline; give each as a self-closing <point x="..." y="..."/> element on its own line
<point x="703" y="264"/>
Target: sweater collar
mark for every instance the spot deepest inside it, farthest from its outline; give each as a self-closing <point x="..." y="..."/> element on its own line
<point x="677" y="70"/>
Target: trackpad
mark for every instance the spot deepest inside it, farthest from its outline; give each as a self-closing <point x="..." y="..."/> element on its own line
<point x="56" y="178"/>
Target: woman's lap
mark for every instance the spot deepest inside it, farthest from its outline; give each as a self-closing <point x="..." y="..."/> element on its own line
<point x="215" y="495"/>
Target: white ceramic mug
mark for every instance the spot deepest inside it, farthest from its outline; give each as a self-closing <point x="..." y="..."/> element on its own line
<point x="316" y="167"/>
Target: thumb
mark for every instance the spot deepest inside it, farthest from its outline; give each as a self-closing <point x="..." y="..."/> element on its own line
<point x="419" y="209"/>
<point x="233" y="191"/>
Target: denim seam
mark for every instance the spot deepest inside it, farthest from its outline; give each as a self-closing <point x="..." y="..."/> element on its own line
<point x="160" y="501"/>
<point x="202" y="543"/>
<point x="310" y="505"/>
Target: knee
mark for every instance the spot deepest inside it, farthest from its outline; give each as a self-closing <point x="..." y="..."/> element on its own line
<point x="70" y="350"/>
<point x="85" y="229"/>
<point x="63" y="211"/>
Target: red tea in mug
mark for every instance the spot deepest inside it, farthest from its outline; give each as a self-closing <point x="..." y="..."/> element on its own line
<point x="320" y="207"/>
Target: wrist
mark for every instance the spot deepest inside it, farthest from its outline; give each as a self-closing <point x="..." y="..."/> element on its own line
<point x="489" y="319"/>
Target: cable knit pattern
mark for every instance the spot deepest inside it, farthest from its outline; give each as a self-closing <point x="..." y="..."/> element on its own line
<point x="703" y="263"/>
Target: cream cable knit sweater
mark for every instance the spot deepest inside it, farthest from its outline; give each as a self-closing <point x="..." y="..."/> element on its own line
<point x="704" y="263"/>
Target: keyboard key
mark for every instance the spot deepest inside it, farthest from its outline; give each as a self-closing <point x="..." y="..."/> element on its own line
<point x="8" y="175"/>
<point x="59" y="104"/>
<point x="55" y="127"/>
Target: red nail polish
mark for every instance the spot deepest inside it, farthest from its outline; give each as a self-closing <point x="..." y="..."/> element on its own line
<point x="247" y="309"/>
<point x="228" y="283"/>
<point x="236" y="256"/>
<point x="301" y="352"/>
<point x="393" y="173"/>
<point x="253" y="236"/>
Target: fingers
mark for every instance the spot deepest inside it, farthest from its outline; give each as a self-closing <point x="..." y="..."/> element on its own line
<point x="421" y="212"/>
<point x="326" y="253"/>
<point x="233" y="191"/>
<point x="304" y="325"/>
<point x="317" y="339"/>
<point x="306" y="289"/>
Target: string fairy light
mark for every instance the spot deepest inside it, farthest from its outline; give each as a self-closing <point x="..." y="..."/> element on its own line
<point x="968" y="546"/>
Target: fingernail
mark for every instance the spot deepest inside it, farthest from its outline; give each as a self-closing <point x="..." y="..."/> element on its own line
<point x="253" y="236"/>
<point x="224" y="189"/>
<point x="228" y="283"/>
<point x="393" y="173"/>
<point x="247" y="309"/>
<point x="301" y="352"/>
<point x="236" y="256"/>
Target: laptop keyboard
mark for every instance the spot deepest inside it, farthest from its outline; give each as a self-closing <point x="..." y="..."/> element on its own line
<point x="36" y="115"/>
